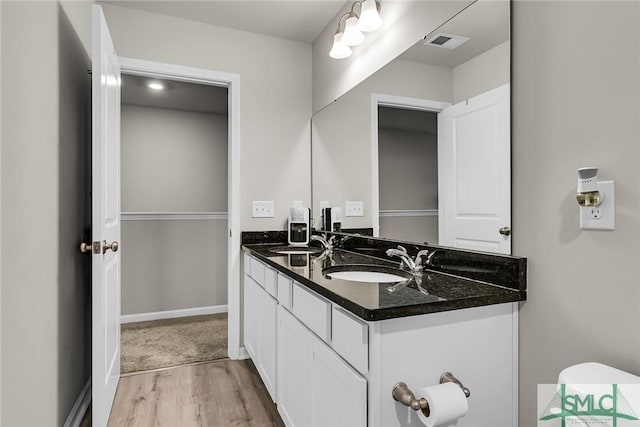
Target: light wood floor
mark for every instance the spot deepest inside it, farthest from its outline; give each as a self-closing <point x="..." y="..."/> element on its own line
<point x="218" y="393"/>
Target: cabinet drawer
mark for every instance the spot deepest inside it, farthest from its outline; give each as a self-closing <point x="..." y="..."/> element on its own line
<point x="350" y="339"/>
<point x="247" y="264"/>
<point x="257" y="271"/>
<point x="313" y="311"/>
<point x="284" y="291"/>
<point x="270" y="281"/>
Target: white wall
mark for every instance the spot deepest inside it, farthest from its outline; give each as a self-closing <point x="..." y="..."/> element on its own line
<point x="341" y="133"/>
<point x="173" y="161"/>
<point x="576" y="102"/>
<point x="275" y="98"/>
<point x="405" y="22"/>
<point x="45" y="104"/>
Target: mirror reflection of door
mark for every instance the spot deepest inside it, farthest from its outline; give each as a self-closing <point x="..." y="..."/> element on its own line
<point x="408" y="174"/>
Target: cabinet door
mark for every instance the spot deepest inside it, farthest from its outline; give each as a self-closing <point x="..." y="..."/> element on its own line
<point x="251" y="316"/>
<point x="267" y="341"/>
<point x="338" y="393"/>
<point x="294" y="360"/>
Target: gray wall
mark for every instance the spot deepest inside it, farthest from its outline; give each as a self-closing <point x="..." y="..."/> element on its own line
<point x="172" y="265"/>
<point x="576" y="102"/>
<point x="408" y="177"/>
<point x="173" y="161"/>
<point x="45" y="105"/>
<point x="275" y="98"/>
<point x="486" y="71"/>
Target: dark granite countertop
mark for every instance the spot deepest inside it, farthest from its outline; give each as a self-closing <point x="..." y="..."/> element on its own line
<point x="434" y="291"/>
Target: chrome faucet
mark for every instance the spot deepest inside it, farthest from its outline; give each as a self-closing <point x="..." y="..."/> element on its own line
<point x="417" y="265"/>
<point x="326" y="244"/>
<point x="405" y="259"/>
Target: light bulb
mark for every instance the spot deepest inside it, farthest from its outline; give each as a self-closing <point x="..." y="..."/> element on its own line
<point x="339" y="50"/>
<point x="370" y="19"/>
<point x="352" y="35"/>
<point x="155" y="86"/>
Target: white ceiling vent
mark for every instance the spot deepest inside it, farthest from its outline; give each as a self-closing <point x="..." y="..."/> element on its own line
<point x="447" y="41"/>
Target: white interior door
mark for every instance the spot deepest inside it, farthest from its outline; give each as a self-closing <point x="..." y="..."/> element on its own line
<point x="105" y="220"/>
<point x="474" y="173"/>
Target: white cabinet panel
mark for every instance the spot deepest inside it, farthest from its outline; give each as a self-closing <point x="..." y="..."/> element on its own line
<point x="267" y="342"/>
<point x="338" y="393"/>
<point x="270" y="281"/>
<point x="251" y="319"/>
<point x="349" y="338"/>
<point x="257" y="271"/>
<point x="284" y="290"/>
<point x="294" y="361"/>
<point x="247" y="263"/>
<point x="313" y="311"/>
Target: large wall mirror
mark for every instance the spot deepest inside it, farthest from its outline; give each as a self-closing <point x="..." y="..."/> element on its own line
<point x="422" y="146"/>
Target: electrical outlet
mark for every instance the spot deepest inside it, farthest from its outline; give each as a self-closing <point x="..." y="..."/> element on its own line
<point x="595" y="212"/>
<point x="263" y="209"/>
<point x="602" y="217"/>
<point x="353" y="208"/>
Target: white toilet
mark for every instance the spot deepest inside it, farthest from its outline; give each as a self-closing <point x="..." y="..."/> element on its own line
<point x="596" y="378"/>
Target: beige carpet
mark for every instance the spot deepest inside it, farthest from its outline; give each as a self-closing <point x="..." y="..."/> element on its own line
<point x="173" y="342"/>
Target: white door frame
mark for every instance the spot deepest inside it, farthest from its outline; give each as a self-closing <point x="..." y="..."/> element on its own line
<point x="402" y="102"/>
<point x="232" y="83"/>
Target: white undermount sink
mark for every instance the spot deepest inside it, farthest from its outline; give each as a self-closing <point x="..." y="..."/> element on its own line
<point x="366" y="276"/>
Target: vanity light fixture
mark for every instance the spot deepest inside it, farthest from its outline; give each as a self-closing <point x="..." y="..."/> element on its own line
<point x="352" y="35"/>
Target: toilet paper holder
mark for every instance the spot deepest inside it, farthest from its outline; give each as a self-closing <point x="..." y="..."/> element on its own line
<point x="403" y="394"/>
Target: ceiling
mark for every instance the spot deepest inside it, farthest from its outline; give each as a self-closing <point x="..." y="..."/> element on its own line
<point x="300" y="20"/>
<point x="176" y="95"/>
<point x="486" y="22"/>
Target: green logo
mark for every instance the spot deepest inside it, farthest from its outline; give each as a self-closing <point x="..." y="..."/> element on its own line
<point x="588" y="409"/>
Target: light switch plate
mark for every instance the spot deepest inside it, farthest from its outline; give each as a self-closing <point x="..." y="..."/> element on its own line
<point x="353" y="208"/>
<point x="263" y="209"/>
<point x="601" y="217"/>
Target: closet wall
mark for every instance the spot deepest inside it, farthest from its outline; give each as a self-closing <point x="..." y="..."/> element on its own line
<point x="174" y="204"/>
<point x="408" y="174"/>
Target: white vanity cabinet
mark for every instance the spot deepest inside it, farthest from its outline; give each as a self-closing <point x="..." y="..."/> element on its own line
<point x="289" y="341"/>
<point x="324" y="366"/>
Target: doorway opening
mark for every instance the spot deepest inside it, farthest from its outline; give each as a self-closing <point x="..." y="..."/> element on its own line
<point x="404" y="158"/>
<point x="179" y="168"/>
<point x="408" y="174"/>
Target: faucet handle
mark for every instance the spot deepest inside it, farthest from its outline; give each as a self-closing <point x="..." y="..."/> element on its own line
<point x="402" y="249"/>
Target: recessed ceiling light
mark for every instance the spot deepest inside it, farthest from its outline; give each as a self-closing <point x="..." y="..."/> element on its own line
<point x="155" y="86"/>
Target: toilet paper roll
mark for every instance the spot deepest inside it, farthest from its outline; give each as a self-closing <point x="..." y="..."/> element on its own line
<point x="447" y="403"/>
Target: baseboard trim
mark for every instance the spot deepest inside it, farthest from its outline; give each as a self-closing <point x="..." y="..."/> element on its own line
<point x="170" y="314"/>
<point x="80" y="407"/>
<point x="243" y="354"/>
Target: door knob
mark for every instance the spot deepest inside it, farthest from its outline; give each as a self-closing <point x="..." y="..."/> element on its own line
<point x="106" y="246"/>
<point x="90" y="248"/>
<point x="505" y="231"/>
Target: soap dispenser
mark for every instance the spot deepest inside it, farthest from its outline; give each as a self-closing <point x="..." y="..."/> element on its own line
<point x="298" y="227"/>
